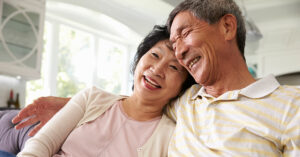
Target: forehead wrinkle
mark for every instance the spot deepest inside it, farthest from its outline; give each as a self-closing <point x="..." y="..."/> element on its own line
<point x="177" y="32"/>
<point x="188" y="21"/>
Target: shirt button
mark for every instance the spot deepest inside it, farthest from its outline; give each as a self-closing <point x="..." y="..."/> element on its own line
<point x="139" y="149"/>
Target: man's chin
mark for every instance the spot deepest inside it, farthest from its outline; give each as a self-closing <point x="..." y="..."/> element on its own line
<point x="202" y="79"/>
<point x="198" y="79"/>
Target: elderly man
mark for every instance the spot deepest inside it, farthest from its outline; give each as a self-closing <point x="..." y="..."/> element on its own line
<point x="228" y="113"/>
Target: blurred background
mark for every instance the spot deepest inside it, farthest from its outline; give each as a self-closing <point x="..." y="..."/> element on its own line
<point x="58" y="47"/>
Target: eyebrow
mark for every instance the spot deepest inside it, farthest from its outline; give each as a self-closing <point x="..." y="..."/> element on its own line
<point x="178" y="31"/>
<point x="160" y="49"/>
<point x="168" y="45"/>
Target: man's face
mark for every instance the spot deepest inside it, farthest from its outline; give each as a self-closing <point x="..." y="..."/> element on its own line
<point x="197" y="44"/>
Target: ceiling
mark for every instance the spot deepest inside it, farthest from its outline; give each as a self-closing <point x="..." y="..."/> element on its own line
<point x="276" y="19"/>
<point x="141" y="15"/>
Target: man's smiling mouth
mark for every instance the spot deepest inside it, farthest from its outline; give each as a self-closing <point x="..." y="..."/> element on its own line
<point x="195" y="60"/>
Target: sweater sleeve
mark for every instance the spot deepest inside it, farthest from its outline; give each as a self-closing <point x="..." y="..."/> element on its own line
<point x="50" y="138"/>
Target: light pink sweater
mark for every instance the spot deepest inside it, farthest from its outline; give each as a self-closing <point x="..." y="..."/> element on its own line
<point x="113" y="134"/>
<point x="83" y="108"/>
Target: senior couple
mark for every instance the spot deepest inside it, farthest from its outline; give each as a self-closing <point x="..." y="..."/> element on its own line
<point x="226" y="113"/>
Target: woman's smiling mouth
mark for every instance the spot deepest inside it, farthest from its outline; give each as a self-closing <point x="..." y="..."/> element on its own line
<point x="150" y="82"/>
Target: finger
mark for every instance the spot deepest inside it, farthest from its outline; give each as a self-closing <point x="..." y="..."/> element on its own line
<point x="24" y="113"/>
<point x="35" y="129"/>
<point x="27" y="122"/>
<point x="16" y="119"/>
<point x="28" y="111"/>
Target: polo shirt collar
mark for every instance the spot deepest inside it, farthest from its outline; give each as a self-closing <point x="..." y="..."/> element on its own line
<point x="261" y="88"/>
<point x="258" y="89"/>
<point x="230" y="95"/>
<point x="200" y="93"/>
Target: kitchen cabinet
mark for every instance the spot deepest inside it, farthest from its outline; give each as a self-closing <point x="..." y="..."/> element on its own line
<point x="21" y="42"/>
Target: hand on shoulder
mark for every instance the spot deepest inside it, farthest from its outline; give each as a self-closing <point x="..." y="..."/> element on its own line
<point x="41" y="110"/>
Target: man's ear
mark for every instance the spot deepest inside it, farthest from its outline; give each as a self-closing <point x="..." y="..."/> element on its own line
<point x="228" y="26"/>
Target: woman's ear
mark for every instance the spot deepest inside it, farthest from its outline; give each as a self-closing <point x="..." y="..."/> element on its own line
<point x="228" y="26"/>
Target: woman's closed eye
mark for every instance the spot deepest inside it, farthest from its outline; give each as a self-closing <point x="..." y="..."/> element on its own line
<point x="154" y="55"/>
<point x="173" y="67"/>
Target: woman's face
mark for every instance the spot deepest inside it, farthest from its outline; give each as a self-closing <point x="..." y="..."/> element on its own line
<point x="158" y="76"/>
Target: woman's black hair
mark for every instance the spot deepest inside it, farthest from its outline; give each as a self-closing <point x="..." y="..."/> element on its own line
<point x="158" y="33"/>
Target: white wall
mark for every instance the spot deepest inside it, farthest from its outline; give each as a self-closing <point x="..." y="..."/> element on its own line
<point x="278" y="52"/>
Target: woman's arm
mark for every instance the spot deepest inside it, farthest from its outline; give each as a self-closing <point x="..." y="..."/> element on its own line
<point x="50" y="138"/>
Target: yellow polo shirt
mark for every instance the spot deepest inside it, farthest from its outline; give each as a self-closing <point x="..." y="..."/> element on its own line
<point x="262" y="119"/>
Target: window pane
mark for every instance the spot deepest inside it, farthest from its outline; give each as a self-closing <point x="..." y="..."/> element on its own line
<point x="111" y="65"/>
<point x="74" y="61"/>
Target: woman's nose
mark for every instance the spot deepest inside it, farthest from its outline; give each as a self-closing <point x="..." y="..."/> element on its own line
<point x="158" y="70"/>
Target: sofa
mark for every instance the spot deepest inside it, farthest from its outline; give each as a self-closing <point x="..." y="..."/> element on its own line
<point x="12" y="140"/>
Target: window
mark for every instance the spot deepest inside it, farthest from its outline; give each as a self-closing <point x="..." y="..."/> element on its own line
<point x="74" y="61"/>
<point x="79" y="58"/>
<point x="110" y="66"/>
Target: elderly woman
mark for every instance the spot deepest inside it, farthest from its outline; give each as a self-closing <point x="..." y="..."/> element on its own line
<point x="97" y="123"/>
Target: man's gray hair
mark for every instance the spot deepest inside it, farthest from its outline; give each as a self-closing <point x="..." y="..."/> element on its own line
<point x="211" y="11"/>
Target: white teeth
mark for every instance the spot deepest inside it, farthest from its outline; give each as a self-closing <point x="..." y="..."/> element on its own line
<point x="152" y="83"/>
<point x="193" y="62"/>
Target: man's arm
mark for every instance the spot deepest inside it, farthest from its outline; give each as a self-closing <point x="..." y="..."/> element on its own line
<point x="41" y="110"/>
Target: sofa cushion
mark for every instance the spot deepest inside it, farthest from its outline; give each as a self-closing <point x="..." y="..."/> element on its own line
<point x="12" y="140"/>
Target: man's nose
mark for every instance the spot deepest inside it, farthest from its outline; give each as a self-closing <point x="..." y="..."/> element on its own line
<point x="180" y="49"/>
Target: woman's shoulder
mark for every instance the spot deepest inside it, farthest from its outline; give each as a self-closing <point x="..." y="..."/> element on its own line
<point x="97" y="90"/>
<point x="168" y="122"/>
<point x="97" y="102"/>
<point x="98" y="93"/>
